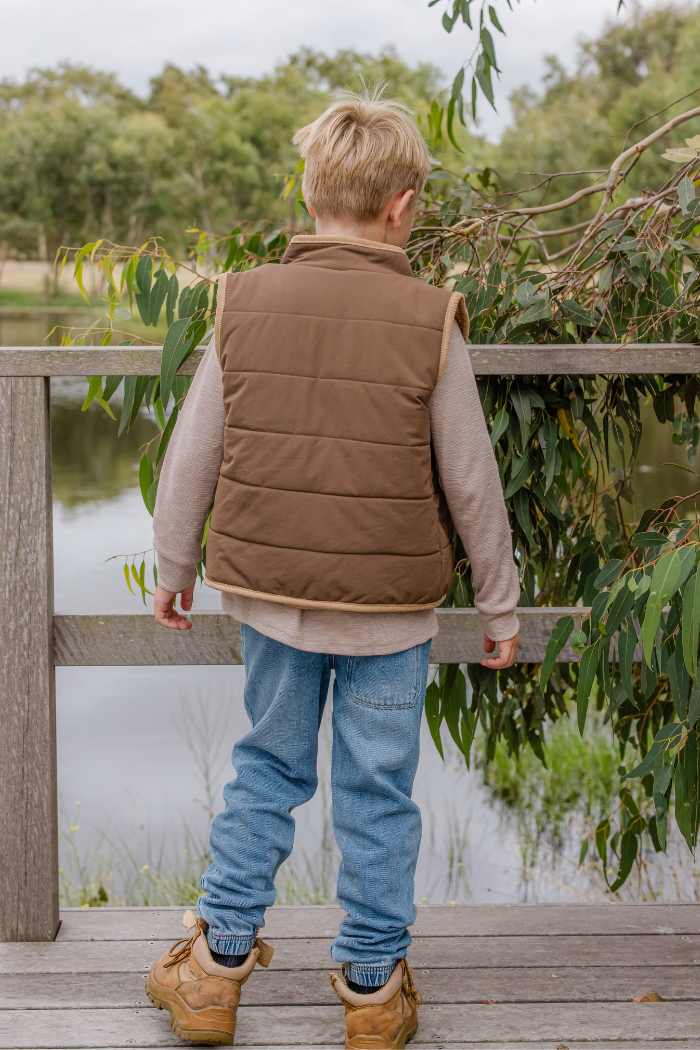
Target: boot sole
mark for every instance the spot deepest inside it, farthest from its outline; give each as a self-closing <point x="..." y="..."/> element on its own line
<point x="201" y="1035"/>
<point x="399" y="1043"/>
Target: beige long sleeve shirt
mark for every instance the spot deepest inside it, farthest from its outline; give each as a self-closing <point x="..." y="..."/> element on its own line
<point x="469" y="479"/>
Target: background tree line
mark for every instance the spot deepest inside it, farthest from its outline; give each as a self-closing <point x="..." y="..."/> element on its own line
<point x="83" y="157"/>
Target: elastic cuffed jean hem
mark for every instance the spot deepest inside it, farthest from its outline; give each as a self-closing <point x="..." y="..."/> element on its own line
<point x="367" y="975"/>
<point x="229" y="944"/>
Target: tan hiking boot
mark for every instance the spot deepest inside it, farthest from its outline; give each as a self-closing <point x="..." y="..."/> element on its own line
<point x="201" y="996"/>
<point x="385" y="1020"/>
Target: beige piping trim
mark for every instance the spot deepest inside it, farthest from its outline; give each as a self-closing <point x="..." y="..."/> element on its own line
<point x="306" y="603"/>
<point x="311" y="238"/>
<point x="456" y="310"/>
<point x="220" y="300"/>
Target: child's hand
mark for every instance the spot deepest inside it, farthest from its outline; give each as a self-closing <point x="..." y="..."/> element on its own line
<point x="164" y="607"/>
<point x="507" y="651"/>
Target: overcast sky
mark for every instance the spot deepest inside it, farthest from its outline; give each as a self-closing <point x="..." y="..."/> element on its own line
<point x="135" y="38"/>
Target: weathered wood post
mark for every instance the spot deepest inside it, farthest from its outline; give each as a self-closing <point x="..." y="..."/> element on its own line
<point x="28" y="808"/>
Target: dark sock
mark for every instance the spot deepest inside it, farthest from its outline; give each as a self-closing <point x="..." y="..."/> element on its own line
<point x="364" y="989"/>
<point x="229" y="960"/>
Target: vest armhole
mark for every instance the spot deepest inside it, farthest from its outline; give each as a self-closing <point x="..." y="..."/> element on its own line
<point x="220" y="303"/>
<point x="456" y="311"/>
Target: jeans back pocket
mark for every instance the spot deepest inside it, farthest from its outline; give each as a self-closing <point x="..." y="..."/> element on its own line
<point x="392" y="681"/>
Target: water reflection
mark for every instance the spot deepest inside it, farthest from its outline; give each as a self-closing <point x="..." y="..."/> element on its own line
<point x="29" y="327"/>
<point x="654" y="480"/>
<point x="89" y="462"/>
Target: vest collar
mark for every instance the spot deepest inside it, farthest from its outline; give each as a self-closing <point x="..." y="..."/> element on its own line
<point x="346" y="253"/>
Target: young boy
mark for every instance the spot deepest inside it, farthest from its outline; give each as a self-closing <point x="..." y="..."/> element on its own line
<point x="337" y="416"/>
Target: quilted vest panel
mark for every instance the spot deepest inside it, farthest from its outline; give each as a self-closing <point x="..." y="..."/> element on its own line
<point x="328" y="495"/>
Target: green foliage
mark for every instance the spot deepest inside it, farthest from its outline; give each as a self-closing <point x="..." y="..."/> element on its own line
<point x="480" y="63"/>
<point x="565" y="447"/>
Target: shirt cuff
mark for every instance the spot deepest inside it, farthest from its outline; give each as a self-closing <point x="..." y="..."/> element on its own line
<point x="500" y="628"/>
<point x="172" y="576"/>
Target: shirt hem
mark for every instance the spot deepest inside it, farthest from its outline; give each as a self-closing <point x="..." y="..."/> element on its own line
<point x="336" y="643"/>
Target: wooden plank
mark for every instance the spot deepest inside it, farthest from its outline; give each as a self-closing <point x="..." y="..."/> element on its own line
<point x="588" y="359"/>
<point x="312" y="988"/>
<point x="88" y="360"/>
<point x="135" y="640"/>
<point x="434" y="920"/>
<point x="28" y="808"/>
<point x="426" y="953"/>
<point x="499" y="1024"/>
<point x="459" y="1046"/>
<point x="460" y="638"/>
<point x="313" y="1026"/>
<point x="505" y="359"/>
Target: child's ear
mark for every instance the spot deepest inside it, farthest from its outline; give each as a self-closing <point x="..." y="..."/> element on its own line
<point x="401" y="203"/>
<point x="312" y="213"/>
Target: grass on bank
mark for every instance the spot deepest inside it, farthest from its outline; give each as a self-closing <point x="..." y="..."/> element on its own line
<point x="553" y="810"/>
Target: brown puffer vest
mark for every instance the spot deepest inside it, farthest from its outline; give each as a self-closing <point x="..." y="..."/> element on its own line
<point x="328" y="495"/>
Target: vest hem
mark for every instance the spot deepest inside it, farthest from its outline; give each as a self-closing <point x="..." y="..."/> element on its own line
<point x="308" y="603"/>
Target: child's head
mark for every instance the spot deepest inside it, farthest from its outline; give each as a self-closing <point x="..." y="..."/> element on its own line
<point x="359" y="154"/>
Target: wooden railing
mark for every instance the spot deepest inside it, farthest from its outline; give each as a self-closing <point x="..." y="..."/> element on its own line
<point x="34" y="640"/>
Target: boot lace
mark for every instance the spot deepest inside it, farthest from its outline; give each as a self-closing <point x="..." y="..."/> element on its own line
<point x="182" y="949"/>
<point x="409" y="990"/>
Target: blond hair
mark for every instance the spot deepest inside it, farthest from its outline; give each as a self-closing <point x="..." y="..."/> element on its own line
<point x="359" y="153"/>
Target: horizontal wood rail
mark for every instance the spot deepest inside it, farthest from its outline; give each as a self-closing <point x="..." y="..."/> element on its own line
<point x="136" y="640"/>
<point x="33" y="640"/>
<point x="496" y="359"/>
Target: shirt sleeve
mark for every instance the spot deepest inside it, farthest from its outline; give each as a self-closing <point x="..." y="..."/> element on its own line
<point x="472" y="486"/>
<point x="189" y="475"/>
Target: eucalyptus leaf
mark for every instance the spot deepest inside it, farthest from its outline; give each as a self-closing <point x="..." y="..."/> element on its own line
<point x="178" y="342"/>
<point x="145" y="476"/>
<point x="586" y="678"/>
<point x="433" y="715"/>
<point x="663" y="583"/>
<point x="667" y="737"/>
<point x="608" y="573"/>
<point x="686" y="790"/>
<point x="694" y="704"/>
<point x="691" y="623"/>
<point x="499" y="425"/>
<point x="558" y="639"/>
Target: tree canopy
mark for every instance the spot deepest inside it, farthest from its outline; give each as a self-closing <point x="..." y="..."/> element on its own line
<point x="631" y="75"/>
<point x="83" y="157"/>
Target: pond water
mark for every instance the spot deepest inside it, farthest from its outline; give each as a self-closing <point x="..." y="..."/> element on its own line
<point x="143" y="753"/>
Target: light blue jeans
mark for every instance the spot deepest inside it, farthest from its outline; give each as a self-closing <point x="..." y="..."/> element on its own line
<point x="377" y="707"/>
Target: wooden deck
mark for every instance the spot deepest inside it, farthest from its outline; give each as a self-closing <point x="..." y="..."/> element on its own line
<point x="491" y="976"/>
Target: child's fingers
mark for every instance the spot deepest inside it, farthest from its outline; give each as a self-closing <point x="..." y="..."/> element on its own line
<point x="186" y="598"/>
<point x="172" y="619"/>
<point x="507" y="651"/>
<point x="167" y="616"/>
